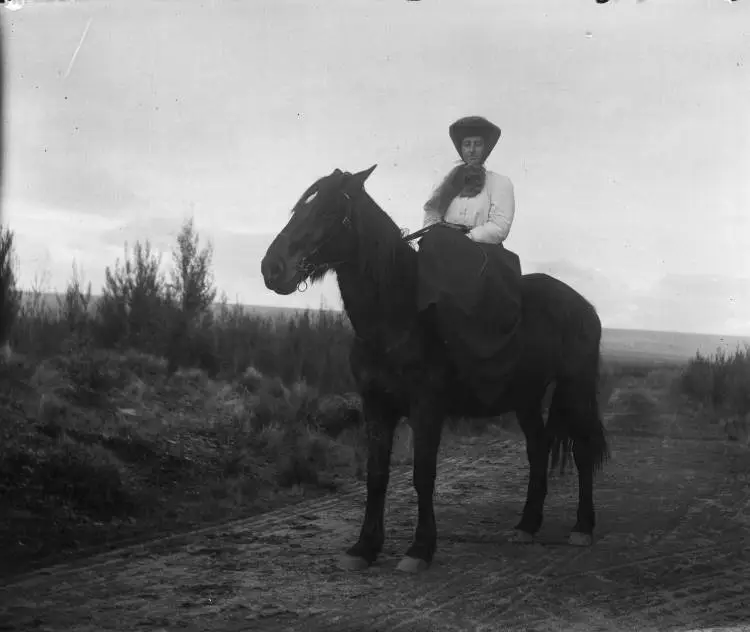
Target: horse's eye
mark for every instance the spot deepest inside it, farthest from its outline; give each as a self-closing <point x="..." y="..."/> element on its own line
<point x="311" y="197"/>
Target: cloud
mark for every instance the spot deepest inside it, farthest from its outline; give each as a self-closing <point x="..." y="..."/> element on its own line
<point x="60" y="157"/>
<point x="700" y="303"/>
<point x="161" y="232"/>
<point x="714" y="304"/>
<point x="610" y="294"/>
<point x="83" y="185"/>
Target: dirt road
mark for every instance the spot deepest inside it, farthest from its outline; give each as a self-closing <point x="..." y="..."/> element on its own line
<point x="673" y="553"/>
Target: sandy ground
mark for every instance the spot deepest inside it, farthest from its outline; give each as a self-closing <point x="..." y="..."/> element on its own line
<point x="672" y="553"/>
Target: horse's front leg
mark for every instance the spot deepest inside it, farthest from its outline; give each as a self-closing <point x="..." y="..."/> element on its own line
<point x="427" y="424"/>
<point x="380" y="422"/>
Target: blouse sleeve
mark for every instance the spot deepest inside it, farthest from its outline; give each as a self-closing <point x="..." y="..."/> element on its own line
<point x="431" y="213"/>
<point x="502" y="210"/>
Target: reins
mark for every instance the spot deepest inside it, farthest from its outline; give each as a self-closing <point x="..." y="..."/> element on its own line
<point x="426" y="229"/>
<point x="415" y="234"/>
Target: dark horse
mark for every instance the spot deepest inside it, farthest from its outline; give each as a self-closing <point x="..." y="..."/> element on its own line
<point x="401" y="367"/>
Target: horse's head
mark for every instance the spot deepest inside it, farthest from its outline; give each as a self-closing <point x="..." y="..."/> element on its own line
<point x="315" y="239"/>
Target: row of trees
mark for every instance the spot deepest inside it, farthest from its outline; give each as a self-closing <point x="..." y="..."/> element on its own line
<point x="139" y="305"/>
<point x="175" y="316"/>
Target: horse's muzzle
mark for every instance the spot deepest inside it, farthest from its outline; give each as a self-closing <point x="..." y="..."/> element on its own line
<point x="277" y="274"/>
<point x="272" y="268"/>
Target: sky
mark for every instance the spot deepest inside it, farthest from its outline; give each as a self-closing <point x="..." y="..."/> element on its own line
<point x="626" y="134"/>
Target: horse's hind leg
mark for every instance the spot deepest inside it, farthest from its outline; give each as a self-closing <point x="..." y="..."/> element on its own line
<point x="537" y="450"/>
<point x="381" y="419"/>
<point x="583" y="530"/>
<point x="578" y="404"/>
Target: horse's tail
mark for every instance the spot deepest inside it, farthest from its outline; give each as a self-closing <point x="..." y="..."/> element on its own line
<point x="560" y="443"/>
<point x="575" y="417"/>
<point x="562" y="448"/>
<point x="597" y="435"/>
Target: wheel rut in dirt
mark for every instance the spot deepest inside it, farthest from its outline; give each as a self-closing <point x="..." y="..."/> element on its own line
<point x="670" y="553"/>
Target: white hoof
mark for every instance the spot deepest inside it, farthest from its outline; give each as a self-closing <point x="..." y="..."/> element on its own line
<point x="580" y="539"/>
<point x="521" y="537"/>
<point x="351" y="563"/>
<point x="412" y="565"/>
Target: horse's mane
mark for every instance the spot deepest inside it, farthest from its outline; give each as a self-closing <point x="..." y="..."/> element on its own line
<point x="380" y="246"/>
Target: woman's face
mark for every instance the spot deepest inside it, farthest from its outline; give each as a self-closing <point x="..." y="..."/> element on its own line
<point x="472" y="150"/>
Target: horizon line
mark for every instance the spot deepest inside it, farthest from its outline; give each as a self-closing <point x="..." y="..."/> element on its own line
<point x="341" y="310"/>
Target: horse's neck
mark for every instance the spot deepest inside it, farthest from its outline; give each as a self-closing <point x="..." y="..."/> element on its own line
<point x="380" y="312"/>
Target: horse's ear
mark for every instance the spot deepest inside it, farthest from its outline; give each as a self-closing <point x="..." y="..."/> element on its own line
<point x="358" y="179"/>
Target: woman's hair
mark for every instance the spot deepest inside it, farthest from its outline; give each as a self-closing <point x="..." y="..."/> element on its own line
<point x="462" y="181"/>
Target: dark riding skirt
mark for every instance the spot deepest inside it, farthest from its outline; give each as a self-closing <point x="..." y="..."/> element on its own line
<point x="475" y="289"/>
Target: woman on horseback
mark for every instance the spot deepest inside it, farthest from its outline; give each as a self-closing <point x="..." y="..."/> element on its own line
<point x="471" y="197"/>
<point x="470" y="288"/>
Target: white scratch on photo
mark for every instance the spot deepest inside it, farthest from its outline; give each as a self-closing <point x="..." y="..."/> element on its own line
<point x="75" y="53"/>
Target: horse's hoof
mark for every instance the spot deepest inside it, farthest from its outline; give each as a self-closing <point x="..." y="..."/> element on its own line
<point x="352" y="563"/>
<point x="521" y="537"/>
<point x="580" y="539"/>
<point x="412" y="565"/>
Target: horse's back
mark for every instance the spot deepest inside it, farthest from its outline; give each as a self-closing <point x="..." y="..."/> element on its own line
<point x="561" y="329"/>
<point x="545" y="296"/>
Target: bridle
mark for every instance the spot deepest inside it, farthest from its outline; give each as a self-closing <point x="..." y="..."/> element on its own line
<point x="307" y="268"/>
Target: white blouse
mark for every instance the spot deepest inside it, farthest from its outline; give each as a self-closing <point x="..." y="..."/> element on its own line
<point x="489" y="214"/>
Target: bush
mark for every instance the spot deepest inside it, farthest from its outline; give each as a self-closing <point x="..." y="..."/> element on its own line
<point x="85" y="477"/>
<point x="720" y="382"/>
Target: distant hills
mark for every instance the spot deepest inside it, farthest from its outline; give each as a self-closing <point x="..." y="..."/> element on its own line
<point x="623" y="344"/>
<point x="666" y="345"/>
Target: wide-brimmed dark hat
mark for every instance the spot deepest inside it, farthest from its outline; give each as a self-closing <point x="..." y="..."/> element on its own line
<point x="475" y="126"/>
